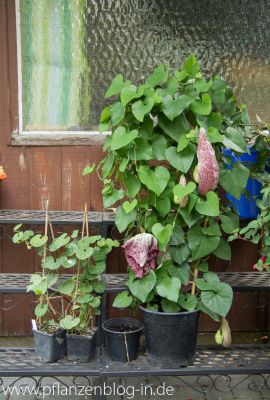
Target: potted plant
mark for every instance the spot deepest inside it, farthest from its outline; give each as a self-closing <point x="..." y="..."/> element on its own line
<point x="49" y="337"/>
<point x="163" y="166"/>
<point x="66" y="304"/>
<point x="83" y="292"/>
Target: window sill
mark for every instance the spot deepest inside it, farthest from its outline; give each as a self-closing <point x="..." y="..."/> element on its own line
<point x="70" y="138"/>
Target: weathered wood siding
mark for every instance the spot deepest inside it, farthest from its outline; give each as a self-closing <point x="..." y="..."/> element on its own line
<point x="55" y="173"/>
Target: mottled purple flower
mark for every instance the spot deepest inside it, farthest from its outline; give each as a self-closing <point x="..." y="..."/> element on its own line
<point x="141" y="253"/>
<point x="207" y="164"/>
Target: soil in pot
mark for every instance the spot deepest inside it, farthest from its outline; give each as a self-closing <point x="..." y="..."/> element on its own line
<point x="122" y="338"/>
<point x="50" y="347"/>
<point x="81" y="347"/>
<point x="170" y="338"/>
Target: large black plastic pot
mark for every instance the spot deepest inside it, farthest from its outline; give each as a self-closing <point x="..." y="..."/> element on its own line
<point x="81" y="347"/>
<point x="50" y="347"/>
<point x="171" y="338"/>
<point x="122" y="337"/>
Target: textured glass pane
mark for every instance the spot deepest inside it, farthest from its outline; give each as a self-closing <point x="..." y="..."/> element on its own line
<point x="71" y="50"/>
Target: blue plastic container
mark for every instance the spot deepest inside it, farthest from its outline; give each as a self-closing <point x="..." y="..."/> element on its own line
<point x="245" y="206"/>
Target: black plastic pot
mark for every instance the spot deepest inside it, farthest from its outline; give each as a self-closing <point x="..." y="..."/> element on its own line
<point x="171" y="338"/>
<point x="50" y="347"/>
<point x="122" y="337"/>
<point x="81" y="347"/>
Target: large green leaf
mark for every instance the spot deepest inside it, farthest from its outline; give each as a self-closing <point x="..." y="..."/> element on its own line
<point x="182" y="272"/>
<point x="229" y="222"/>
<point x="117" y="113"/>
<point x="107" y="165"/>
<point x="176" y="128"/>
<point x="140" y="288"/>
<point x="158" y="76"/>
<point x="234" y="180"/>
<point x="201" y="245"/>
<point x="141" y="108"/>
<point x="59" y="242"/>
<point x="162" y="205"/>
<point x="169" y="288"/>
<point x="120" y="138"/>
<point x="122" y="300"/>
<point x="132" y="183"/>
<point x="122" y="220"/>
<point x="187" y="301"/>
<point x="129" y="206"/>
<point x="218" y="301"/>
<point x="181" y="161"/>
<point x="162" y="234"/>
<point x="169" y="306"/>
<point x="174" y="107"/>
<point x="141" y="150"/>
<point x="115" y="87"/>
<point x="210" y="206"/>
<point x="191" y="66"/>
<point x="159" y="147"/>
<point x="180" y="254"/>
<point x="155" y="180"/>
<point x="203" y="106"/>
<point x="129" y="93"/>
<point x="233" y="139"/>
<point x="112" y="197"/>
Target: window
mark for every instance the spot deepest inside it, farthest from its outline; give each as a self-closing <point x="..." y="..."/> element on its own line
<point x="70" y="50"/>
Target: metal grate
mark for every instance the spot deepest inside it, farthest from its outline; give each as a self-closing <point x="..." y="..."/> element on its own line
<point x="24" y="362"/>
<point x="209" y="360"/>
<point x="56" y="217"/>
<point x="240" y="281"/>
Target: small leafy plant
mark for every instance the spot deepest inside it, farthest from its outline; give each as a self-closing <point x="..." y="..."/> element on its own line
<point x="163" y="166"/>
<point x="70" y="303"/>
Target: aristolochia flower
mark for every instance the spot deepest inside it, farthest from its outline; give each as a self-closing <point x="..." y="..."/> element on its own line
<point x="141" y="253"/>
<point x="208" y="170"/>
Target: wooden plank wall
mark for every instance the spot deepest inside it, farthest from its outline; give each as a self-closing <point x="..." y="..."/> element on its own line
<point x="55" y="173"/>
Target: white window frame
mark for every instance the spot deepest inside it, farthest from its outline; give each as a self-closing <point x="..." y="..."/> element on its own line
<point x="50" y="137"/>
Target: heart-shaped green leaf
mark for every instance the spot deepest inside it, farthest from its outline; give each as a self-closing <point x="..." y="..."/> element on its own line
<point x="223" y="250"/>
<point x="122" y="300"/>
<point x="157" y="77"/>
<point x="67" y="286"/>
<point x="169" y="288"/>
<point x="234" y="180"/>
<point x="218" y="301"/>
<point x="132" y="183"/>
<point x="162" y="234"/>
<point x="174" y="107"/>
<point x="115" y="87"/>
<point x="155" y="180"/>
<point x="117" y="113"/>
<point x="203" y="106"/>
<point x="129" y="206"/>
<point x="182" y="191"/>
<point x="181" y="161"/>
<point x="122" y="220"/>
<point x="176" y="128"/>
<point x="201" y="245"/>
<point x="129" y="93"/>
<point x="210" y="206"/>
<point x="120" y="138"/>
<point x="141" y="108"/>
<point x="233" y="139"/>
<point x="140" y="288"/>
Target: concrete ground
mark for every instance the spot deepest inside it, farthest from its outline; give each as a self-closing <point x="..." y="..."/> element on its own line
<point x="240" y="387"/>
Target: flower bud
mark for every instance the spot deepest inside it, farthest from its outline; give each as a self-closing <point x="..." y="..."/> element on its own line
<point x="184" y="200"/>
<point x="218" y="337"/>
<point x="207" y="165"/>
<point x="226" y="333"/>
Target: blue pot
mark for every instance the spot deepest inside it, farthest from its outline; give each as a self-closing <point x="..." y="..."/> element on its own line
<point x="246" y="206"/>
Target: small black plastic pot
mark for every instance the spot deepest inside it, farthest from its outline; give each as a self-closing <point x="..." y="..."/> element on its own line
<point x="170" y="338"/>
<point x="50" y="347"/>
<point x="122" y="337"/>
<point x="81" y="347"/>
